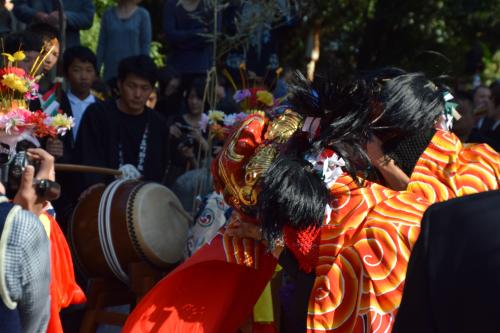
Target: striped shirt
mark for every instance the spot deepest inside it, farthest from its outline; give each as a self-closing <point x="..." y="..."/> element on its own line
<point x="26" y="270"/>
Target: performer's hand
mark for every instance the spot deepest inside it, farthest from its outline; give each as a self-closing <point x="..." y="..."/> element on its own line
<point x="237" y="228"/>
<point x="26" y="195"/>
<point x="375" y="152"/>
<point x="55" y="147"/>
<point x="47" y="169"/>
<point x="277" y="251"/>
<point x="394" y="177"/>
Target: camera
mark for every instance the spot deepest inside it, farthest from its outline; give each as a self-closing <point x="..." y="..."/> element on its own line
<point x="186" y="139"/>
<point x="12" y="165"/>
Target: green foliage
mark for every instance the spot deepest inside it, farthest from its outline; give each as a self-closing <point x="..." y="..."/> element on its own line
<point x="411" y="34"/>
<point x="492" y="67"/>
<point x="369" y="33"/>
<point x="102" y="5"/>
<point x="156" y="53"/>
<point x="90" y="37"/>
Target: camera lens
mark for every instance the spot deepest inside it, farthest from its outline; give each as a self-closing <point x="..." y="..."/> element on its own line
<point x="5" y="154"/>
<point x="4" y="158"/>
<point x="47" y="189"/>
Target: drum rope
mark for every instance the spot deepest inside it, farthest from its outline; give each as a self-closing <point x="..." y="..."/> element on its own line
<point x="102" y="229"/>
<point x="130" y="224"/>
<point x="105" y="236"/>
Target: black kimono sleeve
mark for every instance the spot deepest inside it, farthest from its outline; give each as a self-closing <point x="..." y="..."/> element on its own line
<point x="92" y="143"/>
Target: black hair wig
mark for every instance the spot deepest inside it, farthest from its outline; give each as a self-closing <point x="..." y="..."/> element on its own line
<point x="342" y="106"/>
<point x="82" y="53"/>
<point x="400" y="108"/>
<point x="291" y="192"/>
<point x="410" y="103"/>
<point x="141" y="66"/>
<point x="389" y="103"/>
<point x="291" y="195"/>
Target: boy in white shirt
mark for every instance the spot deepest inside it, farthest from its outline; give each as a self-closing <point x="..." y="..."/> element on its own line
<point x="80" y="71"/>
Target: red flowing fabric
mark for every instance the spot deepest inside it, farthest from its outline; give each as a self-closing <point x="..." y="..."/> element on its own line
<point x="264" y="328"/>
<point x="63" y="288"/>
<point x="214" y="291"/>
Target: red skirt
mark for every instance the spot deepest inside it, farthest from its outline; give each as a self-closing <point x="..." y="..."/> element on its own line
<point x="213" y="291"/>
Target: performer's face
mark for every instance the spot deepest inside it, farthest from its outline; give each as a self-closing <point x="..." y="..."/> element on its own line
<point x="134" y="93"/>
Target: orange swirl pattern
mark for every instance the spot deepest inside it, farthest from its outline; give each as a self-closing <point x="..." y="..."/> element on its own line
<point x="365" y="249"/>
<point x="447" y="169"/>
<point x="363" y="255"/>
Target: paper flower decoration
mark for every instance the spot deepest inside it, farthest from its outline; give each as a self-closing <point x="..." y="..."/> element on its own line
<point x="17" y="87"/>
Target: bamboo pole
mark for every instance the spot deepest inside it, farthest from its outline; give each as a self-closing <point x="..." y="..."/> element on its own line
<point x="86" y="169"/>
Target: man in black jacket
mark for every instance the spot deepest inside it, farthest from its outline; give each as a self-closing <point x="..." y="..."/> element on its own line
<point x="124" y="131"/>
<point x="453" y="278"/>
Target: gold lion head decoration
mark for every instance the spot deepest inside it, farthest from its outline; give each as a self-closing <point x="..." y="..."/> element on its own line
<point x="248" y="153"/>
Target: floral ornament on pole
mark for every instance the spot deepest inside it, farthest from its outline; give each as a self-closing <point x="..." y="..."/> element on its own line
<point x="17" y="88"/>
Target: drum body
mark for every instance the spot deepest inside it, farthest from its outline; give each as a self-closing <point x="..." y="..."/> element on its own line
<point x="127" y="222"/>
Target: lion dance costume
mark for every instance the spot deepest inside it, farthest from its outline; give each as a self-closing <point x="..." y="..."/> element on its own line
<point x="289" y="174"/>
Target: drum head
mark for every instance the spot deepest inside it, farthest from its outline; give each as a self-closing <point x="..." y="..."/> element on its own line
<point x="158" y="224"/>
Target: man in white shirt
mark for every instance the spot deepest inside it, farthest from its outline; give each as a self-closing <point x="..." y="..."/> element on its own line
<point x="78" y="107"/>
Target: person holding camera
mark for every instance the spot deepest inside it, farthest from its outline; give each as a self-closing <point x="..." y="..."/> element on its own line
<point x="187" y="134"/>
<point x="24" y="252"/>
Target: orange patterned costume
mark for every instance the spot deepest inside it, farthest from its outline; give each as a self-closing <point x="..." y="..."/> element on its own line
<point x="360" y="257"/>
<point x="363" y="253"/>
<point x="447" y="169"/>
